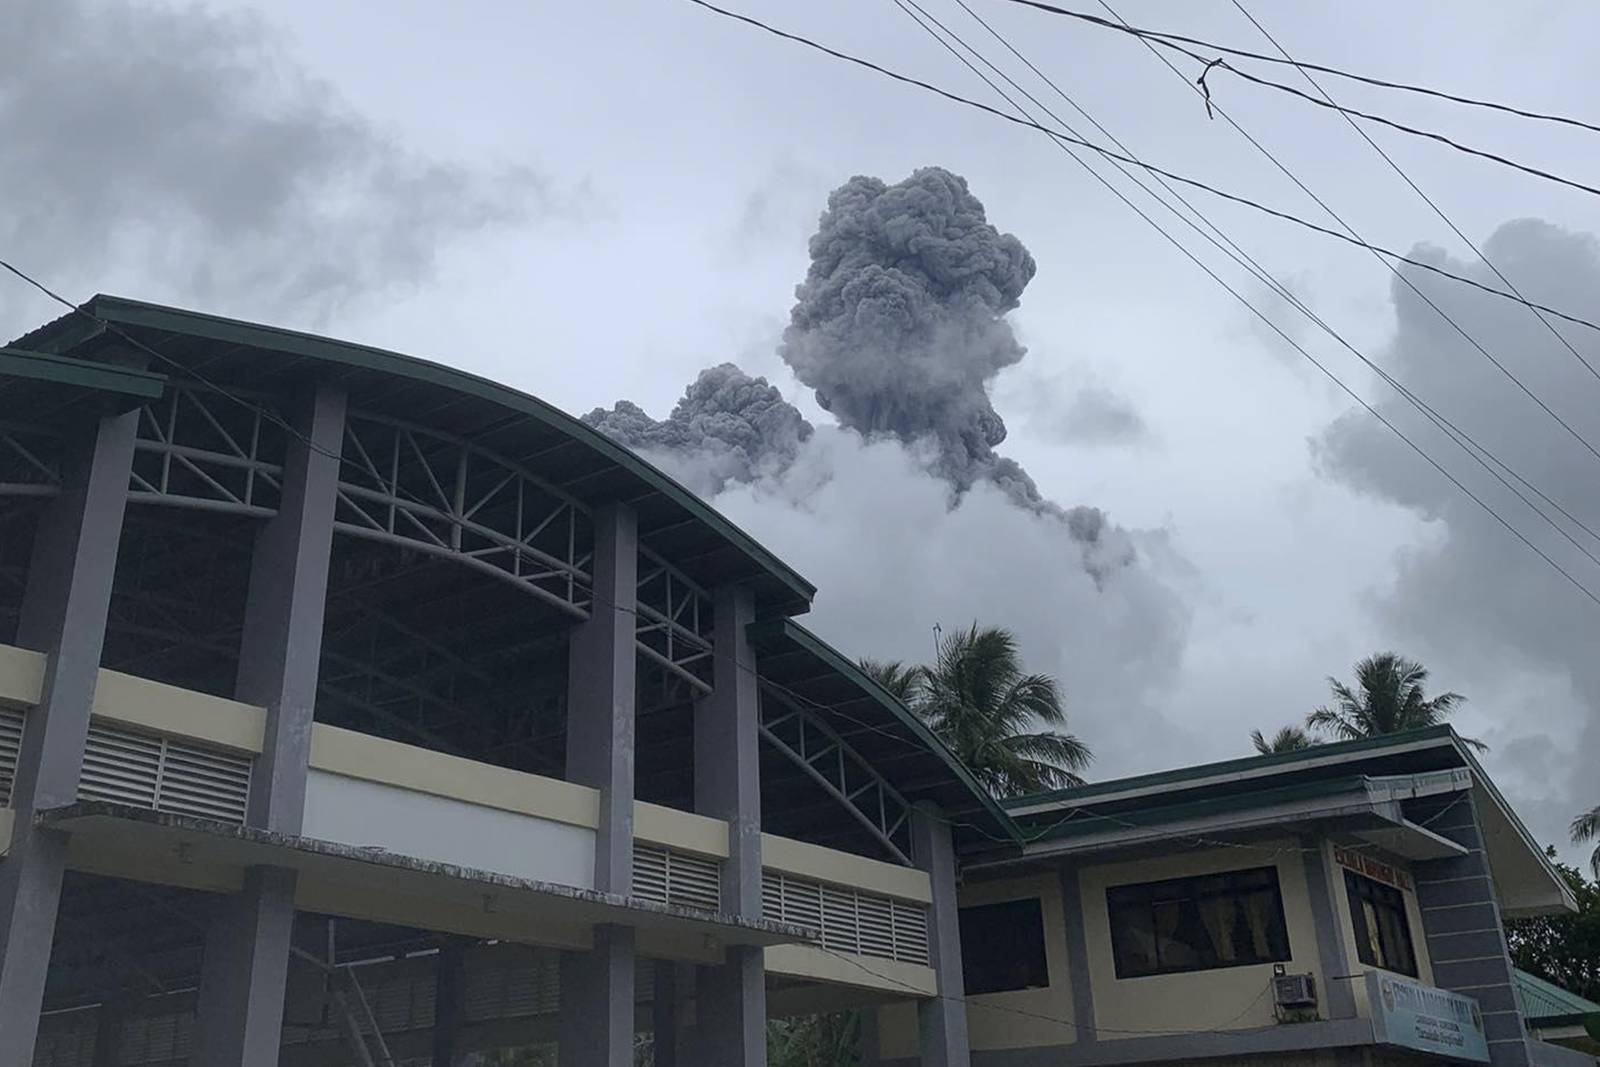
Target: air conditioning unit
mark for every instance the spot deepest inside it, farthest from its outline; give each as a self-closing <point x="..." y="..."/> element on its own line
<point x="1294" y="991"/>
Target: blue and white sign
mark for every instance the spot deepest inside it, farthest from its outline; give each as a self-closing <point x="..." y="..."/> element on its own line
<point x="1420" y="1017"/>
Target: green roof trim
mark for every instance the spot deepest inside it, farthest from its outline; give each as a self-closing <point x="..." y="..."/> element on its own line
<point x="852" y="672"/>
<point x="1545" y="1003"/>
<point x="81" y="373"/>
<point x="1080" y="822"/>
<point x="135" y="313"/>
<point x="1184" y="775"/>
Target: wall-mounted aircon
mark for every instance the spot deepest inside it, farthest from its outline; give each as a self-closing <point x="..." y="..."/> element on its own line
<point x="1294" y="991"/>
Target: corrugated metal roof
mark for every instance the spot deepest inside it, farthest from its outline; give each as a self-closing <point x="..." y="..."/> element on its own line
<point x="1545" y="1002"/>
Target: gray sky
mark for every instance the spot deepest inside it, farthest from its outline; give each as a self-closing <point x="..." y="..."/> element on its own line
<point x="596" y="201"/>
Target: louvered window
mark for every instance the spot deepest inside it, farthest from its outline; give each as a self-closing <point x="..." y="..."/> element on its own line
<point x="666" y="876"/>
<point x="849" y="920"/>
<point x="11" y="720"/>
<point x="165" y="774"/>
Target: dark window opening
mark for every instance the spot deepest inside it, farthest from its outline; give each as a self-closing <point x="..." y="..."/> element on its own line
<point x="1383" y="930"/>
<point x="1002" y="947"/>
<point x="1198" y="924"/>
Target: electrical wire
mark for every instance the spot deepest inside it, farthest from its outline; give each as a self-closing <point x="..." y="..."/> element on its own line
<point x="1163" y="37"/>
<point x="1437" y="210"/>
<point x="1474" y="450"/>
<point x="1195" y="183"/>
<point x="1357" y="238"/>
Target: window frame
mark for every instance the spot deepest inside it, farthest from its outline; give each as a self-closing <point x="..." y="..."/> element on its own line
<point x="1043" y="959"/>
<point x="1183" y="890"/>
<point x="1360" y="889"/>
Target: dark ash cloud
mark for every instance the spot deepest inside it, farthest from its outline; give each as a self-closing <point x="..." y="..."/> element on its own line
<point x="727" y="427"/>
<point x="180" y="141"/>
<point x="899" y="326"/>
<point x="1097" y="416"/>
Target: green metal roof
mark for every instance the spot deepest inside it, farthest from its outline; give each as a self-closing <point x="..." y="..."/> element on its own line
<point x="1185" y="777"/>
<point x="675" y="522"/>
<point x="1545" y="1003"/>
<point x="24" y="364"/>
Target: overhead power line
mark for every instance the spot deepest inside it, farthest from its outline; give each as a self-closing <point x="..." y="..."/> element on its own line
<point x="1356" y="238"/>
<point x="1193" y="183"/>
<point x="1243" y="53"/>
<point x="1477" y="452"/>
<point x="1437" y="210"/>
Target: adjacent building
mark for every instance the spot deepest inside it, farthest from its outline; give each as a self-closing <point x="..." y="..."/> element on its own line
<point x="358" y="710"/>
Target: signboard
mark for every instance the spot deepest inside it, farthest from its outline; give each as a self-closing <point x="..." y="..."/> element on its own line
<point x="1377" y="870"/>
<point x="1420" y="1017"/>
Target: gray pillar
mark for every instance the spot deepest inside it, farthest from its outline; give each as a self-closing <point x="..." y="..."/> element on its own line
<point x="1461" y="923"/>
<point x="449" y="1002"/>
<point x="941" y="1020"/>
<point x="64" y="613"/>
<point x="282" y="641"/>
<point x="597" y="990"/>
<point x="239" y="1016"/>
<point x="731" y="1000"/>
<point x="600" y="695"/>
<point x="1078" y="972"/>
<point x="664" y="1019"/>
<point x="246" y="960"/>
<point x="1338" y="998"/>
<point x="597" y="994"/>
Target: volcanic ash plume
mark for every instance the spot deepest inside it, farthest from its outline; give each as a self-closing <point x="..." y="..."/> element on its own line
<point x="898" y="325"/>
<point x="727" y="427"/>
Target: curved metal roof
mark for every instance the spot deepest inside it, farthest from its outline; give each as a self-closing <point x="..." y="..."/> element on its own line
<point x="572" y="456"/>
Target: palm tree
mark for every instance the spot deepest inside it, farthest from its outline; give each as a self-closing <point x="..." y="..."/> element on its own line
<point x="981" y="704"/>
<point x="1388" y="698"/>
<point x="1586" y="827"/>
<point x="902" y="682"/>
<point x="1287" y="739"/>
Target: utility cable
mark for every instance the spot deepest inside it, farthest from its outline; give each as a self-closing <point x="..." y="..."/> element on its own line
<point x="1358" y="239"/>
<point x="1437" y="210"/>
<point x="1251" y="265"/>
<point x="1195" y="183"/>
<point x="1162" y="37"/>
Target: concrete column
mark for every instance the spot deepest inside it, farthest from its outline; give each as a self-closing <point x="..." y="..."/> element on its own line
<point x="449" y="1002"/>
<point x="282" y="643"/>
<point x="597" y="987"/>
<point x="942" y="1020"/>
<point x="597" y="992"/>
<point x="64" y="612"/>
<point x="666" y="1021"/>
<point x="246" y="962"/>
<point x="1078" y="972"/>
<point x="1461" y="923"/>
<point x="239" y="1015"/>
<point x="600" y="695"/>
<point x="1334" y="984"/>
<point x="731" y="1000"/>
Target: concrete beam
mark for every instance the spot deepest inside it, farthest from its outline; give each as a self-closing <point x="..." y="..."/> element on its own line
<point x="64" y="608"/>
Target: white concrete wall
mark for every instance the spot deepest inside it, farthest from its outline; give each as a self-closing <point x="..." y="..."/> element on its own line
<point x="353" y="811"/>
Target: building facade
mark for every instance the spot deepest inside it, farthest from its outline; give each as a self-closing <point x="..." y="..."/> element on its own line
<point x="357" y="710"/>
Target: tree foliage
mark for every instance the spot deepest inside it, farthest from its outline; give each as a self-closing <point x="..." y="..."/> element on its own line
<point x="829" y="1040"/>
<point x="1586" y="827"/>
<point x="1564" y="949"/>
<point x="1287" y="739"/>
<point x="1389" y="697"/>
<point x="998" y="720"/>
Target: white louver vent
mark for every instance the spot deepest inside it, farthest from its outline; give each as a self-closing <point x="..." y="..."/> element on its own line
<point x="164" y="774"/>
<point x="11" y="720"/>
<point x="865" y="924"/>
<point x="665" y="876"/>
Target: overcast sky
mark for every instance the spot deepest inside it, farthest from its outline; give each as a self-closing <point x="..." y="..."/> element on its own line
<point x="596" y="201"/>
